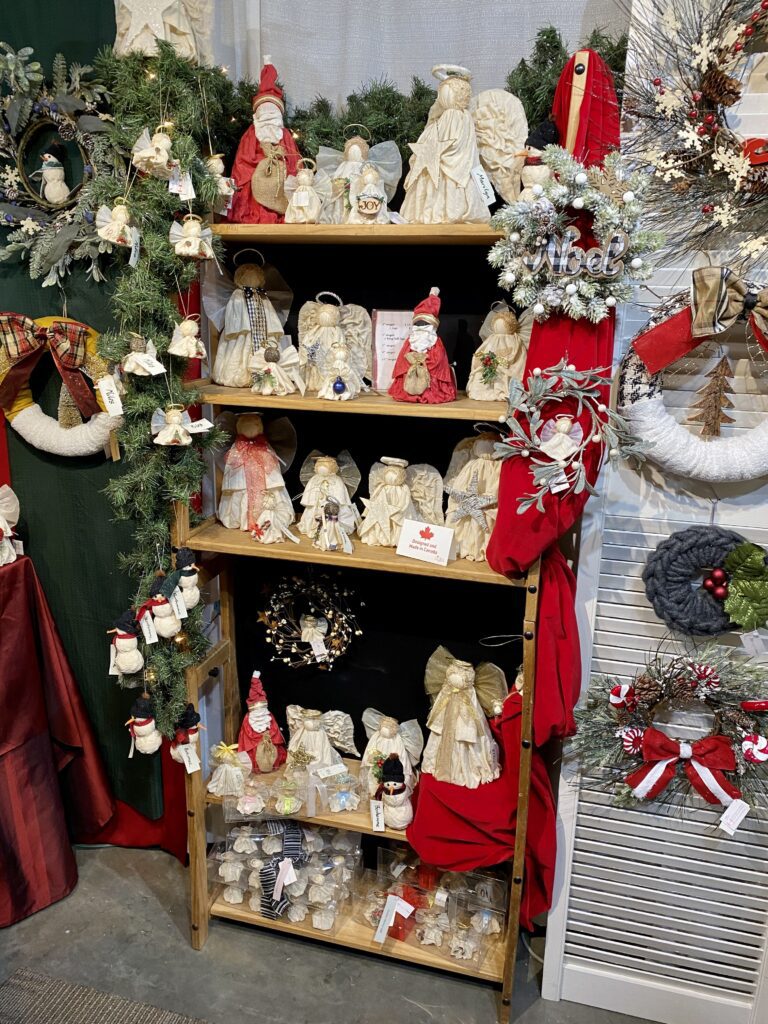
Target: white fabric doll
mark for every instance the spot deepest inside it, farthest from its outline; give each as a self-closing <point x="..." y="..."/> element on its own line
<point x="464" y="944"/>
<point x="439" y="187"/>
<point x="115" y="225"/>
<point x="297" y="911"/>
<point x="501" y="356"/>
<point x="345" y="168"/>
<point x="153" y="156"/>
<point x="368" y="198"/>
<point x="535" y="173"/>
<point x="9" y="517"/>
<point x="170" y="426"/>
<point x="308" y="191"/>
<point x="228" y="777"/>
<point x="276" y="369"/>
<point x="191" y="239"/>
<point x="323" y="325"/>
<point x="186" y="735"/>
<point x="320" y="891"/>
<point x="399" y="492"/>
<point x="187" y="572"/>
<point x="341" y="374"/>
<point x="142" y="360"/>
<point x="560" y="437"/>
<point x="472" y="486"/>
<point x="226" y="186"/>
<point x="501" y="128"/>
<point x="329" y="516"/>
<point x="231" y="868"/>
<point x="460" y="748"/>
<point x="186" y="341"/>
<point x="249" y="311"/>
<point x="128" y="659"/>
<point x="166" y="622"/>
<point x="313" y="627"/>
<point x="388" y="736"/>
<point x="318" y="734"/>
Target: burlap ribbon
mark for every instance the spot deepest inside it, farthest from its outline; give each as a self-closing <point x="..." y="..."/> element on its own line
<point x="257" y="460"/>
<point x="268" y="179"/>
<point x="417" y="377"/>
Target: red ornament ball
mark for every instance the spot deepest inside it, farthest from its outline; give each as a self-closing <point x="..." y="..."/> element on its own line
<point x="764" y="5"/>
<point x="748" y="31"/>
<point x="701" y="130"/>
<point x="707" y="208"/>
<point x="710" y="118"/>
<point x="693" y="114"/>
<point x="696" y="97"/>
<point x="719" y="575"/>
<point x="720" y="593"/>
<point x="737" y="47"/>
<point x="715" y="128"/>
<point x="657" y="82"/>
<point x="755" y="15"/>
<point x="709" y="583"/>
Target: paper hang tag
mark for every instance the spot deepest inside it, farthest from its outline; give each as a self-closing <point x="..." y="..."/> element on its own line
<point x="733" y="816"/>
<point x="189" y="758"/>
<point x="286" y="874"/>
<point x="176" y="602"/>
<point x="18" y="546"/>
<point x="484" y="185"/>
<point x="133" y="259"/>
<point x="113" y="669"/>
<point x="426" y="542"/>
<point x="319" y="650"/>
<point x="187" y="190"/>
<point x="377" y="816"/>
<point x="441" y="897"/>
<point x="199" y="426"/>
<point x="386" y="919"/>
<point x="329" y="771"/>
<point x="560" y="483"/>
<point x="109" y="393"/>
<point x="149" y="363"/>
<point x="148" y="628"/>
<point x="403" y="908"/>
<point x="399" y="868"/>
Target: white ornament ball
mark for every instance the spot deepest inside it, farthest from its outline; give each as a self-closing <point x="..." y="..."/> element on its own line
<point x="524" y="452"/>
<point x="636" y="263"/>
<point x="536" y="371"/>
<point x="502" y="419"/>
<point x="610" y="300"/>
<point x="613" y="452"/>
<point x="571" y="367"/>
<point x="538" y="309"/>
<point x="515" y="236"/>
<point x="509" y="277"/>
<point x="571" y="289"/>
<point x="596" y="438"/>
<point x="602" y="407"/>
<point x="578" y="203"/>
<point x="537" y="190"/>
<point x="581" y="178"/>
<point x="629" y="197"/>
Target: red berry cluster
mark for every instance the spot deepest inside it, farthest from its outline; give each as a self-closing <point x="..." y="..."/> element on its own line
<point x="748" y="29"/>
<point x="717" y="581"/>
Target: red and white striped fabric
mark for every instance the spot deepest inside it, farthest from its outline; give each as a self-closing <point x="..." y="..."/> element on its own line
<point x="705" y="762"/>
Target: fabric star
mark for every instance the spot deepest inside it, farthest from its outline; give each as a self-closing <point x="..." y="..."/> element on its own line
<point x="471" y="504"/>
<point x="428" y="156"/>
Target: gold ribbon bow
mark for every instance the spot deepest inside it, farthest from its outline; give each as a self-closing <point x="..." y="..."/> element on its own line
<point x="720" y="298"/>
<point x="226" y="753"/>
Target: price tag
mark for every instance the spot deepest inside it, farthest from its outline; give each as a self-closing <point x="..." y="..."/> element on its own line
<point x="199" y="426"/>
<point x="285" y="875"/>
<point x="189" y="758"/>
<point x="148" y="628"/>
<point x="187" y="189"/>
<point x="300" y="199"/>
<point x="319" y="650"/>
<point x="399" y="868"/>
<point x="377" y="816"/>
<point x="560" y="483"/>
<point x="18" y="546"/>
<point x="734" y="814"/>
<point x="329" y="771"/>
<point x="133" y="259"/>
<point x="484" y="185"/>
<point x="176" y="602"/>
<point x="403" y="908"/>
<point x="386" y="919"/>
<point x="108" y="391"/>
<point x="441" y="897"/>
<point x="149" y="363"/>
<point x="113" y="669"/>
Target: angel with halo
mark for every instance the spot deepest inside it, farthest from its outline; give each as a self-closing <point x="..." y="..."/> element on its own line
<point x="341" y="373"/>
<point x="186" y="341"/>
<point x="142" y="359"/>
<point x="318" y="735"/>
<point x="325" y="324"/>
<point x="329" y="516"/>
<point x="254" y="497"/>
<point x="501" y="356"/>
<point x="249" y="311"/>
<point x="170" y="426"/>
<point x="214" y="164"/>
<point x="153" y="156"/>
<point x="399" y="492"/>
<point x="388" y="736"/>
<point x="560" y="438"/>
<point x="368" y="198"/>
<point x="9" y="517"/>
<point x="345" y="168"/>
<point x="308" y="191"/>
<point x="460" y="748"/>
<point x="114" y="225"/>
<point x="276" y="370"/>
<point x="191" y="239"/>
<point x="472" y="486"/>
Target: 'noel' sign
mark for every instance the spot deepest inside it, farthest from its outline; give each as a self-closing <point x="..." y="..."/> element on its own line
<point x="569" y="260"/>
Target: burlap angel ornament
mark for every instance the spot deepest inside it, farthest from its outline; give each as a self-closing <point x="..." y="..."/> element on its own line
<point x="460" y="748"/>
<point x="344" y="169"/>
<point x="500" y="358"/>
<point x="342" y="373"/>
<point x="308" y="191"/>
<point x="191" y="238"/>
<point x="114" y="225"/>
<point x="214" y="164"/>
<point x="317" y="735"/>
<point x="399" y="492"/>
<point x="472" y="486"/>
<point x="388" y="736"/>
<point x="9" y="517"/>
<point x="323" y="325"/>
<point x="153" y="155"/>
<point x="249" y="311"/>
<point x="186" y="341"/>
<point x="330" y="516"/>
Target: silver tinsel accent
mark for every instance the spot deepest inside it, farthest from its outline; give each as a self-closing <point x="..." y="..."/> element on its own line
<point x="470" y="504"/>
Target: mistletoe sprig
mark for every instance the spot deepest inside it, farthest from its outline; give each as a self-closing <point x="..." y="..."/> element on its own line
<point x="560" y="282"/>
<point x="533" y="405"/>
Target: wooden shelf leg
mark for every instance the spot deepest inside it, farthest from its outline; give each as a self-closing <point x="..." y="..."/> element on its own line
<point x="232" y="712"/>
<point x="196" y="841"/>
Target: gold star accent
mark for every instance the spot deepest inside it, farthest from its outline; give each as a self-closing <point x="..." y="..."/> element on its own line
<point x="428" y="156"/>
<point x="264" y="617"/>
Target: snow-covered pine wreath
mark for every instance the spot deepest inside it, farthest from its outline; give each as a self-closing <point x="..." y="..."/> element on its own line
<point x="540" y="260"/>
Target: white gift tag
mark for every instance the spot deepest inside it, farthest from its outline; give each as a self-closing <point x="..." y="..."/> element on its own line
<point x="174" y="182"/>
<point x="148" y="628"/>
<point x="319" y="650"/>
<point x="18" y="546"/>
<point x="189" y="757"/>
<point x="108" y="391"/>
<point x="398" y="869"/>
<point x="560" y="483"/>
<point x="149" y="363"/>
<point x="484" y="185"/>
<point x="426" y="542"/>
<point x="386" y="919"/>
<point x="300" y="199"/>
<point x="403" y="908"/>
<point x="113" y="669"/>
<point x="176" y="602"/>
<point x="329" y="771"/>
<point x="733" y="816"/>
<point x="187" y="189"/>
<point x="377" y="816"/>
<point x="133" y="259"/>
<point x="199" y="426"/>
<point x="441" y="897"/>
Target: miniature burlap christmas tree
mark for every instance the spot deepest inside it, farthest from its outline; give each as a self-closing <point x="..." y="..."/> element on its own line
<point x="713" y="400"/>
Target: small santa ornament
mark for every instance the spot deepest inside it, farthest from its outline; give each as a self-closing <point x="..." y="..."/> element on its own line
<point x="186" y="732"/>
<point x="126" y="656"/>
<point x="266" y="156"/>
<point x="260" y="737"/>
<point x="394" y="794"/>
<point x="145" y="736"/>
<point x="422" y="372"/>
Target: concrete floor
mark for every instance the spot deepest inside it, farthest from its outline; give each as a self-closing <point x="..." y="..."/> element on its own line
<point x="124" y="930"/>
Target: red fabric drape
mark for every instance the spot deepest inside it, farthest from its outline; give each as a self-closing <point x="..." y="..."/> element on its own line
<point x="599" y="130"/>
<point x="245" y="209"/>
<point x="5" y="469"/>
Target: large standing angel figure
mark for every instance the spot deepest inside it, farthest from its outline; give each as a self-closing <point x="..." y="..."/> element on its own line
<point x="399" y="492"/>
<point x="345" y="168"/>
<point x="249" y="311"/>
<point x="472" y="486"/>
<point x="9" y="517"/>
<point x="422" y="372"/>
<point x="325" y="324"/>
<point x="500" y="358"/>
<point x="318" y="735"/>
<point x="329" y="516"/>
<point x="388" y="736"/>
<point x="254" y="497"/>
<point x="460" y="748"/>
<point x="308" y="191"/>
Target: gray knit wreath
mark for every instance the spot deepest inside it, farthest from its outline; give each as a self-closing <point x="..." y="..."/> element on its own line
<point x="679" y="561"/>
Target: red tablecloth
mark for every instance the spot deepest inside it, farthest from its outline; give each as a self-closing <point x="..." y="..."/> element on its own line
<point x="51" y="774"/>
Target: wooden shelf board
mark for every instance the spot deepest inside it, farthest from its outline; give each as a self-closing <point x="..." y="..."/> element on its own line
<point x="364" y="405"/>
<point x="358" y="234"/>
<point x="357" y="936"/>
<point x="212" y="536"/>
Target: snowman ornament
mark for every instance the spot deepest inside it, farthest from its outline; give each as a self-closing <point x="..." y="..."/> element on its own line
<point x="126" y="656"/>
<point x="188" y="577"/>
<point x="186" y="738"/>
<point x="164" y="619"/>
<point x="53" y="185"/>
<point x="145" y="736"/>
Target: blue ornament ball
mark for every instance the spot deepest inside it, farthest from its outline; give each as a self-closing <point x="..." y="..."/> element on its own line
<point x="339" y="387"/>
<point x="88" y="217"/>
<point x="9" y="218"/>
<point x="88" y="169"/>
<point x="54" y="107"/>
<point x="36" y="107"/>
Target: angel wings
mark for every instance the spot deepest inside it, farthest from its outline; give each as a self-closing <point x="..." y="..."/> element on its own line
<point x="399" y="492"/>
<point x="315" y="735"/>
<point x="335" y="339"/>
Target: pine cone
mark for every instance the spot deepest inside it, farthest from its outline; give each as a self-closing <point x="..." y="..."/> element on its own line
<point x="740" y="719"/>
<point x="681" y="187"/>
<point x="720" y="88"/>
<point x="648" y="690"/>
<point x="680" y="690"/>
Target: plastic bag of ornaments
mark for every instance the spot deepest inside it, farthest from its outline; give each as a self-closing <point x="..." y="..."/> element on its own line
<point x="477" y="888"/>
<point x="335" y="793"/>
<point x="424" y="911"/>
<point x="251" y="804"/>
<point x="400" y="864"/>
<point x="325" y="918"/>
<point x="473" y="935"/>
<point x="288" y="795"/>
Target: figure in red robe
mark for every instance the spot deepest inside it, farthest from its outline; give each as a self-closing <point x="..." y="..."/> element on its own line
<point x="266" y="140"/>
<point x="422" y="372"/>
<point x="258" y="726"/>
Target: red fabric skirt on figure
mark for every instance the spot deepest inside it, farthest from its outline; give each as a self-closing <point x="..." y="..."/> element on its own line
<point x="422" y="372"/>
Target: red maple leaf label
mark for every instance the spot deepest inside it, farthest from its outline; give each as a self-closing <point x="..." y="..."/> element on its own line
<point x="426" y="533"/>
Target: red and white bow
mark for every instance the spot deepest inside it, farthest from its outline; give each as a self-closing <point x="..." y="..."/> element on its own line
<point x="705" y="762"/>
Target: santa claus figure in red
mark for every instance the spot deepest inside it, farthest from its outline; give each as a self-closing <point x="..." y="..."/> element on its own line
<point x="260" y="737"/>
<point x="422" y="372"/>
<point x="267" y="154"/>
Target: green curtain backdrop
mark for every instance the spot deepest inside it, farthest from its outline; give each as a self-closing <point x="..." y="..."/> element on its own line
<point x="66" y="519"/>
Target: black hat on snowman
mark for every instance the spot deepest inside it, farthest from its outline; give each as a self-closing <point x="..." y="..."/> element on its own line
<point x="188" y="719"/>
<point x="142" y="708"/>
<point x="127" y="624"/>
<point x="392" y="775"/>
<point x="185" y="559"/>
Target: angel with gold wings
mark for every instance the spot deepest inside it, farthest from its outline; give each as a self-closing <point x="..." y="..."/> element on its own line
<point x="317" y="735"/>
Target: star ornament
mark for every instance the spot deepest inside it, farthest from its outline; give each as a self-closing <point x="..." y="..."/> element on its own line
<point x="470" y="504"/>
<point x="428" y="156"/>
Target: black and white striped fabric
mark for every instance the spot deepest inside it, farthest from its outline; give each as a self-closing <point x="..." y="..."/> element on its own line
<point x="257" y="316"/>
<point x="270" y="907"/>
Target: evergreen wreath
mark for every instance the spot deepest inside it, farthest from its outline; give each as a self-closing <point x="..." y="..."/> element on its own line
<point x="539" y="259"/>
<point x="618" y="744"/>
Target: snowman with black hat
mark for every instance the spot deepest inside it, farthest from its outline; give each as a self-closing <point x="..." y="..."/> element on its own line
<point x="394" y="794"/>
<point x="186" y="732"/>
<point x="145" y="736"/>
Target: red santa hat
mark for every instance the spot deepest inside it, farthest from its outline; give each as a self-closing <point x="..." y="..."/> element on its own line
<point x="429" y="308"/>
<point x="269" y="90"/>
<point x="256" y="694"/>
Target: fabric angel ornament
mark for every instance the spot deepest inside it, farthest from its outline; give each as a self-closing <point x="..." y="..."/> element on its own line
<point x="422" y="372"/>
<point x="323" y="325"/>
<point x="399" y="492"/>
<point x="472" y="486"/>
<point x="145" y="736"/>
<point x="126" y="656"/>
<point x="345" y="169"/>
<point x="308" y="191"/>
<point x="186" y="733"/>
<point x="260" y="737"/>
<point x="368" y="198"/>
<point x="266" y="157"/>
<point x="228" y="776"/>
<point x="153" y="155"/>
<point x="341" y="373"/>
<point x="460" y="748"/>
<point x="170" y="426"/>
<point x="253" y="493"/>
<point x="191" y="238"/>
<point x="330" y="516"/>
<point x="440" y="187"/>
<point x="9" y="517"/>
<point x="142" y="359"/>
<point x="535" y="172"/>
<point x="276" y="369"/>
<point x="186" y="341"/>
<point x="500" y="358"/>
<point x="249" y="311"/>
<point x="226" y="186"/>
<point x="560" y="437"/>
<point x="115" y="225"/>
<point x="316" y="735"/>
<point x="388" y="736"/>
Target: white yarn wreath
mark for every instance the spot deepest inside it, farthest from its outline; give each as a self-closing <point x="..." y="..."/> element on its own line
<point x="45" y="433"/>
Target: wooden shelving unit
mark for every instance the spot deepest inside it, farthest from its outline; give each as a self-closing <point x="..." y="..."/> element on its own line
<point x="358" y="234"/>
